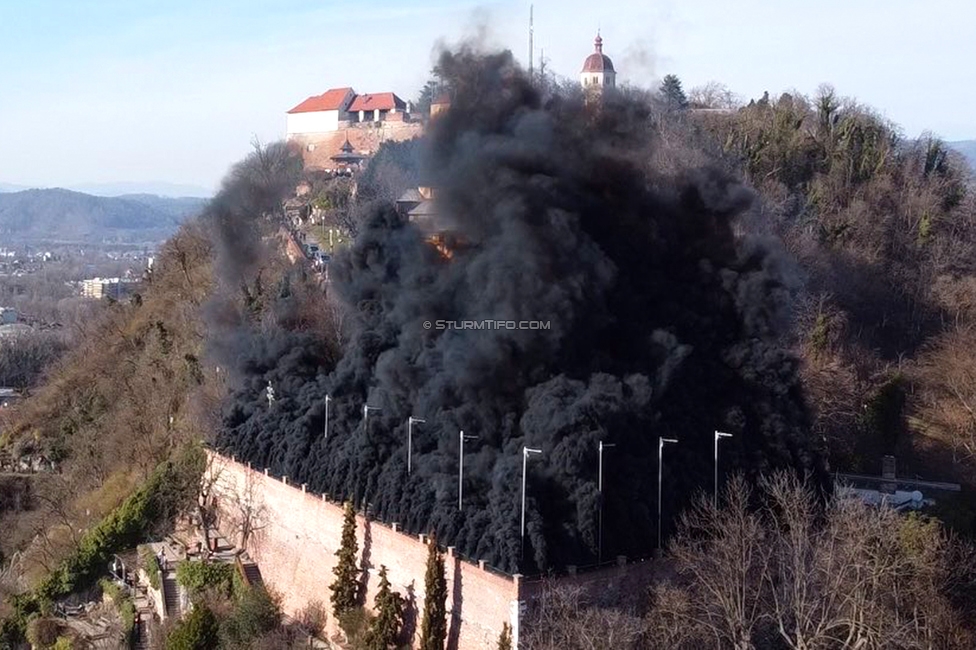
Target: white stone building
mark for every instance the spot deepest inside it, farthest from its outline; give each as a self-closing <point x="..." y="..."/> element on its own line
<point x="340" y="108"/>
<point x="320" y="114"/>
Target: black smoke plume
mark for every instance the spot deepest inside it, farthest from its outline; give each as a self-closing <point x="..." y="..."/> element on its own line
<point x="663" y="321"/>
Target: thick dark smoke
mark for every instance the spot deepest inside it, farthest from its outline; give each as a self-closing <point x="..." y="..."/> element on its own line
<point x="663" y="322"/>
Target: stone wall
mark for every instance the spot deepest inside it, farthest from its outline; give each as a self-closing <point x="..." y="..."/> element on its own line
<point x="366" y="138"/>
<point x="295" y="535"/>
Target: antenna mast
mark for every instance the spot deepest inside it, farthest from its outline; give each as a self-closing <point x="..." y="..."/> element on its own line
<point x="531" y="47"/>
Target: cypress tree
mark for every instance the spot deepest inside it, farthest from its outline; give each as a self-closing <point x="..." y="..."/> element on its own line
<point x="389" y="616"/>
<point x="505" y="638"/>
<point x="433" y="630"/>
<point x="345" y="589"/>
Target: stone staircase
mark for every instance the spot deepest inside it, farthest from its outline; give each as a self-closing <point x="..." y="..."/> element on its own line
<point x="251" y="573"/>
<point x="144" y="617"/>
<point x="140" y="635"/>
<point x="171" y="594"/>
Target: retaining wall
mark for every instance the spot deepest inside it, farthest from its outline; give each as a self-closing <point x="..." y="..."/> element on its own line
<point x="295" y="535"/>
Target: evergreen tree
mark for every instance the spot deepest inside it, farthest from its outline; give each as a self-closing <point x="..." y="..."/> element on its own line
<point x="433" y="630"/>
<point x="389" y="616"/>
<point x="674" y="95"/>
<point x="198" y="631"/>
<point x="427" y="95"/>
<point x="505" y="638"/>
<point x="345" y="589"/>
<point x="436" y="86"/>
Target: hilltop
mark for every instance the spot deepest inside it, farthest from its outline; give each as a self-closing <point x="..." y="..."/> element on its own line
<point x="59" y="215"/>
<point x="968" y="149"/>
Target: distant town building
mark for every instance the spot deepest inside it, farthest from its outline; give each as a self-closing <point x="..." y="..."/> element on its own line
<point x="339" y="129"/>
<point x="106" y="287"/>
<point x="598" y="72"/>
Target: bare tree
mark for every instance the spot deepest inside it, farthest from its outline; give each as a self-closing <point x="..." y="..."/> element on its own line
<point x="246" y="511"/>
<point x="947" y="375"/>
<point x="806" y="574"/>
<point x="713" y="95"/>
<point x="563" y="618"/>
<point x="207" y="499"/>
<point x="725" y="557"/>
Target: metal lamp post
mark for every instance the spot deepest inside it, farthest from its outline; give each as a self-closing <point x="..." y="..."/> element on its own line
<point x="525" y="461"/>
<point x="718" y="436"/>
<point x="660" y="466"/>
<point x="327" y="400"/>
<point x="462" y="438"/>
<point x="366" y="410"/>
<point x="599" y="488"/>
<point x="410" y="422"/>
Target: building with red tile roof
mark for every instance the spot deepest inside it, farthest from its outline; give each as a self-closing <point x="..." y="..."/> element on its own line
<point x="336" y="99"/>
<point x="598" y="72"/>
<point x="342" y="123"/>
<point x="323" y="113"/>
<point x="377" y="102"/>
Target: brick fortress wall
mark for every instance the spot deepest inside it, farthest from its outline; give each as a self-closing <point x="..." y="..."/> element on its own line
<point x="363" y="136"/>
<point x="296" y="534"/>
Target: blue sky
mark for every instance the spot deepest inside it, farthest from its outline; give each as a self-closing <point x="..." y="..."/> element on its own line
<point x="175" y="91"/>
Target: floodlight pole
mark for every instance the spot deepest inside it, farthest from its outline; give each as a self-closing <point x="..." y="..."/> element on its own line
<point x="410" y="422"/>
<point x="462" y="438"/>
<point x="525" y="461"/>
<point x="327" y="400"/>
<point x="366" y="410"/>
<point x="718" y="436"/>
<point x="599" y="488"/>
<point x="660" y="466"/>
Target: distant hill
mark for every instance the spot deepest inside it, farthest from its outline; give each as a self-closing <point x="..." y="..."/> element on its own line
<point x="180" y="207"/>
<point x="57" y="215"/>
<point x="156" y="188"/>
<point x="968" y="149"/>
<point x="167" y="190"/>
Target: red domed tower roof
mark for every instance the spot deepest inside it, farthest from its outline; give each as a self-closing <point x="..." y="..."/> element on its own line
<point x="598" y="61"/>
